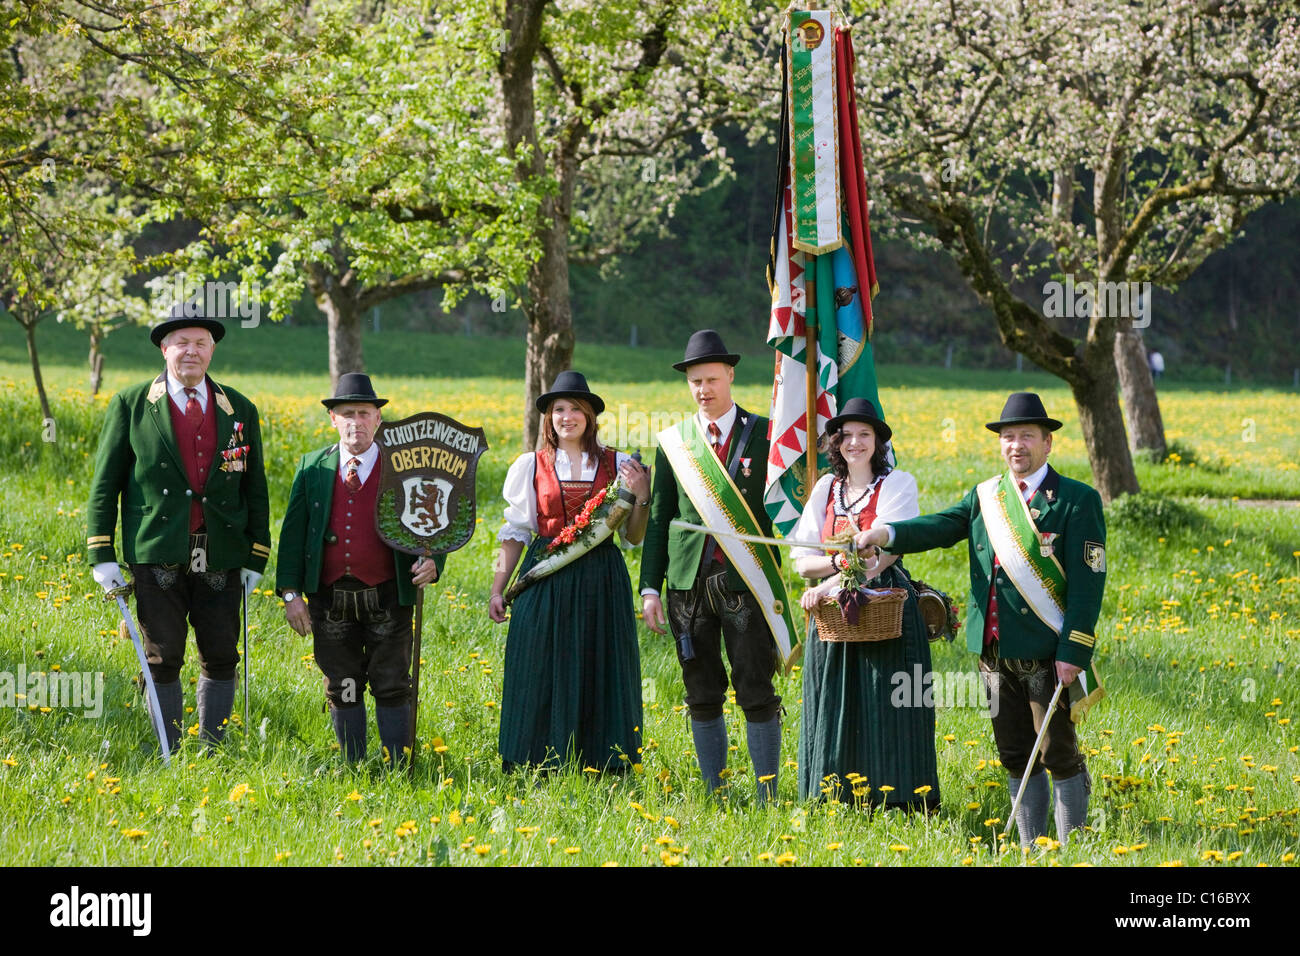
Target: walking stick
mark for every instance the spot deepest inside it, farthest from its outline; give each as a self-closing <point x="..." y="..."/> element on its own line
<point x="415" y="669"/>
<point x="245" y="609"/>
<point x="120" y="594"/>
<point x="1033" y="755"/>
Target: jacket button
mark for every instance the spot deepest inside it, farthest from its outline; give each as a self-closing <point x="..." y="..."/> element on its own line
<point x="205" y="499"/>
<point x="166" y="491"/>
<point x="189" y="492"/>
<point x="979" y="547"/>
<point x="1024" y="610"/>
<point x="164" y="464"/>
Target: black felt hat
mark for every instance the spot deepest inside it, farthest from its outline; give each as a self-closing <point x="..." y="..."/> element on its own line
<point x="354" y="387"/>
<point x="1023" y="408"/>
<point x="570" y="384"/>
<point x="187" y="316"/>
<point x="706" y="345"/>
<point x="861" y="410"/>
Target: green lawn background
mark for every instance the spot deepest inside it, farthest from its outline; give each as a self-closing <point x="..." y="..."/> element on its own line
<point x="1194" y="752"/>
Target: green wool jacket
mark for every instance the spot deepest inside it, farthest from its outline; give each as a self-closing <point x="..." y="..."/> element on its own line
<point x="302" y="535"/>
<point x="677" y="553"/>
<point x="138" y="462"/>
<point x="1066" y="507"/>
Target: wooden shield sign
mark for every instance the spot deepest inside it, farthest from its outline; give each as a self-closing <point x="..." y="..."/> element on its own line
<point x="426" y="488"/>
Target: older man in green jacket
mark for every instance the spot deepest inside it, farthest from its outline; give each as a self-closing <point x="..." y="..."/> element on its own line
<point x="359" y="592"/>
<point x="183" y="456"/>
<point x="1037" y="546"/>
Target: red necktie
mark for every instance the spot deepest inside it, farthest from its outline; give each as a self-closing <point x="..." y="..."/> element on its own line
<point x="351" y="480"/>
<point x="193" y="412"/>
<point x="712" y="554"/>
<point x="991" y="618"/>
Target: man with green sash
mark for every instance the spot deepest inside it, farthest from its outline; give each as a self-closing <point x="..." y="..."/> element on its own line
<point x="709" y="471"/>
<point x="1037" y="544"/>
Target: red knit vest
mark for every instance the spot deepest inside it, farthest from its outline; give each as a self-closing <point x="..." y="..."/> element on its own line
<point x="198" y="449"/>
<point x="357" y="549"/>
<point x="552" y="515"/>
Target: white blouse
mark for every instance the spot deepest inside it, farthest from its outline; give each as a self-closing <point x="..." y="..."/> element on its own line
<point x="898" y="501"/>
<point x="521" y="502"/>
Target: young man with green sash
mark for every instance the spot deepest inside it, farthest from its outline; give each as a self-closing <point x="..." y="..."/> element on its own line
<point x="1037" y="545"/>
<point x="709" y="471"/>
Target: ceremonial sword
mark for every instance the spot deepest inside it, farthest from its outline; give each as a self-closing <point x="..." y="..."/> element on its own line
<point x="1033" y="754"/>
<point x="155" y="709"/>
<point x="848" y="546"/>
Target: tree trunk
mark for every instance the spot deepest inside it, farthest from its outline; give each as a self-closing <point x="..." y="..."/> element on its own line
<point x="343" y="318"/>
<point x="1146" y="429"/>
<point x="550" y="318"/>
<point x="550" y="325"/>
<point x="29" y="327"/>
<point x="1103" y="433"/>
<point x="96" y="358"/>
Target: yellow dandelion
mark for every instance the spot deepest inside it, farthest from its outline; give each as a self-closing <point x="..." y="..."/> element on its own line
<point x="134" y="834"/>
<point x="239" y="791"/>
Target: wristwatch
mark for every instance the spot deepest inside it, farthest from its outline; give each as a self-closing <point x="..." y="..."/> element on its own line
<point x="290" y="596"/>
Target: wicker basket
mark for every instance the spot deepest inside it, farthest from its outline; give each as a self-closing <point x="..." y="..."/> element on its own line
<point x="878" y="620"/>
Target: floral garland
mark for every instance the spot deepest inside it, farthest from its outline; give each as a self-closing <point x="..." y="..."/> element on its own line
<point x="594" y="510"/>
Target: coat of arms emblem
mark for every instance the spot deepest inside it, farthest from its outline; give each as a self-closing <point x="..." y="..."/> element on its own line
<point x="426" y="490"/>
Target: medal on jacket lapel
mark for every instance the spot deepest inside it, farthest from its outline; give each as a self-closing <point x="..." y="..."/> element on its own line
<point x="234" y="455"/>
<point x="1046" y="543"/>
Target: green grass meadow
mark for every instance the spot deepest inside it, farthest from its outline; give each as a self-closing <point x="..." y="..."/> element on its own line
<point x="1194" y="753"/>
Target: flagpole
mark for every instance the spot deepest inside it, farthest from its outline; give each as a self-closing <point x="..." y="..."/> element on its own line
<point x="810" y="365"/>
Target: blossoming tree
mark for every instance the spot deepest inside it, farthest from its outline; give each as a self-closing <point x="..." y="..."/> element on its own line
<point x="1096" y="144"/>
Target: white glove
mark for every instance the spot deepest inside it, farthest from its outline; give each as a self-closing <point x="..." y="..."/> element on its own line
<point x="108" y="575"/>
<point x="249" y="579"/>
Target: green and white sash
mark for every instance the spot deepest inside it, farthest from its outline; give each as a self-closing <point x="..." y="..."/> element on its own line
<point x="1038" y="577"/>
<point x="722" y="506"/>
<point x="814" y="144"/>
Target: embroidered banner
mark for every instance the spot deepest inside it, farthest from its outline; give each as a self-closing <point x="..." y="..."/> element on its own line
<point x="814" y="159"/>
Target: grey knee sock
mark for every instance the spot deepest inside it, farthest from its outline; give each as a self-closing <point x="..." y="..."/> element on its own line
<point x="1071" y="803"/>
<point x="394" y="731"/>
<point x="764" y="741"/>
<point x="170" y="703"/>
<point x="215" y="698"/>
<point x="350" y="729"/>
<point x="710" y="749"/>
<point x="1031" y="816"/>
